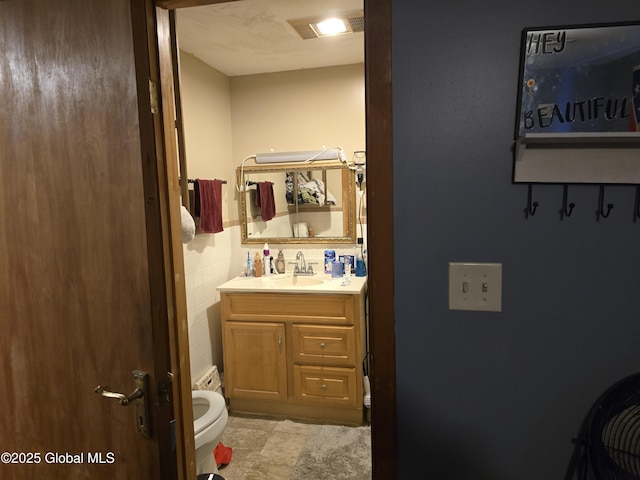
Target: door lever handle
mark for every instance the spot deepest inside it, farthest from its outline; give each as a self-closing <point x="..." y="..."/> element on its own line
<point x="143" y="407"/>
<point x="123" y="399"/>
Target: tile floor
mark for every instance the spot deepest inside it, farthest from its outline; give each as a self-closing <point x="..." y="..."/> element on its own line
<point x="263" y="449"/>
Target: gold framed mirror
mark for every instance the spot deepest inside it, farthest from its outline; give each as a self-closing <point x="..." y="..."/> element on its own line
<point x="303" y="203"/>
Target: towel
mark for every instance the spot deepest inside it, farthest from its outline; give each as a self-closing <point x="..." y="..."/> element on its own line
<point x="266" y="200"/>
<point x="188" y="225"/>
<point x="222" y="454"/>
<point x="208" y="205"/>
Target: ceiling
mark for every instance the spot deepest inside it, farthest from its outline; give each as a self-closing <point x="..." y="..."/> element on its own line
<point x="252" y="36"/>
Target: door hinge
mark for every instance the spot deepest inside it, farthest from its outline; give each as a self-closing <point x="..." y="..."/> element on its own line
<point x="153" y="97"/>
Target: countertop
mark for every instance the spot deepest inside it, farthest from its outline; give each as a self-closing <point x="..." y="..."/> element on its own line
<point x="287" y="283"/>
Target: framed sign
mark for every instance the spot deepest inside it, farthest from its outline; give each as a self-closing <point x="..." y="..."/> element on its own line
<point x="579" y="79"/>
<point x="578" y="110"/>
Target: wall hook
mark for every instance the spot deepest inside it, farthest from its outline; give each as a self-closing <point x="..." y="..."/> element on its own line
<point x="600" y="211"/>
<point x="636" y="211"/>
<point x="530" y="209"/>
<point x="563" y="211"/>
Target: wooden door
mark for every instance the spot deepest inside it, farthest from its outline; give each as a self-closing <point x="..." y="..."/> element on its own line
<point x="88" y="273"/>
<point x="255" y="360"/>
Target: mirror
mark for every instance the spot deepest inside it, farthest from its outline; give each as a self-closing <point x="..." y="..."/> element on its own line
<point x="579" y="105"/>
<point x="310" y="203"/>
<point x="579" y="79"/>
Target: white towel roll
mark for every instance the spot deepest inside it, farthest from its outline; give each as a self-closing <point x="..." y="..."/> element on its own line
<point x="300" y="230"/>
<point x="188" y="225"/>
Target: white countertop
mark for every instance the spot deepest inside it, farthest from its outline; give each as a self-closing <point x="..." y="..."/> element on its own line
<point x="287" y="283"/>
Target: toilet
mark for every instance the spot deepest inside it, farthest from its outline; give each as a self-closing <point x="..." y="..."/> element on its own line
<point x="209" y="422"/>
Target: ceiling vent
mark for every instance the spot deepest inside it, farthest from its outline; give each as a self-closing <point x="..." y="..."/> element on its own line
<point x="308" y="28"/>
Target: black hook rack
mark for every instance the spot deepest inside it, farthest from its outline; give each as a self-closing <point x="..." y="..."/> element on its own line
<point x="600" y="211"/>
<point x="530" y="209"/>
<point x="563" y="211"/>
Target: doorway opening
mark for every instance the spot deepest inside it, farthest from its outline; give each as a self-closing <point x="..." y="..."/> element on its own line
<point x="380" y="226"/>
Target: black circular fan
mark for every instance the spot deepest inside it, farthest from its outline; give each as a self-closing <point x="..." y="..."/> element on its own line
<point x="608" y="447"/>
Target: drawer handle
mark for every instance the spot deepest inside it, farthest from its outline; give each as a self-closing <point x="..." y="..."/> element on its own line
<point x="280" y="342"/>
<point x="323" y="345"/>
<point x="324" y="387"/>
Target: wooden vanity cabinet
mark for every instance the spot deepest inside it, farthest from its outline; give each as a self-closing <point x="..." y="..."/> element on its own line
<point x="294" y="355"/>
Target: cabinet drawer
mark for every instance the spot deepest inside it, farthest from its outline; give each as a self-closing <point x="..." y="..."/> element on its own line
<point x="282" y="307"/>
<point x="324" y="345"/>
<point x="325" y="385"/>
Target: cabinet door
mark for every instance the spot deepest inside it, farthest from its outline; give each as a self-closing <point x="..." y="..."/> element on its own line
<point x="255" y="361"/>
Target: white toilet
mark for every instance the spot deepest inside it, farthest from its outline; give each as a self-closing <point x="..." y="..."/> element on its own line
<point x="209" y="422"/>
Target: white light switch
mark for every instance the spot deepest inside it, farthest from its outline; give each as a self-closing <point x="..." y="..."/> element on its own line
<point x="475" y="286"/>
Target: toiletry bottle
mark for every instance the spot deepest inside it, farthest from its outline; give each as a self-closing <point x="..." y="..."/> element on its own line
<point x="347" y="265"/>
<point x="265" y="260"/>
<point x="248" y="263"/>
<point x="329" y="257"/>
<point x="280" y="263"/>
<point x="257" y="261"/>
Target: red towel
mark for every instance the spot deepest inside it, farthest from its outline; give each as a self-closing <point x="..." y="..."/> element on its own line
<point x="266" y="200"/>
<point x="208" y="205"/>
<point x="222" y="454"/>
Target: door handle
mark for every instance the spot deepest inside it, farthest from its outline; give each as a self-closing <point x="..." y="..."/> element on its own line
<point x="123" y="399"/>
<point x="138" y="397"/>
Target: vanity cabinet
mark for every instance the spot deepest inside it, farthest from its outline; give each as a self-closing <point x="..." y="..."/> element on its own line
<point x="294" y="355"/>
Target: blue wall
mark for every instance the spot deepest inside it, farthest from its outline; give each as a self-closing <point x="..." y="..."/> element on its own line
<point x="497" y="395"/>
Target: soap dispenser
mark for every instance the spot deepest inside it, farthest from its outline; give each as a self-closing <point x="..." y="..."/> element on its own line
<point x="280" y="263"/>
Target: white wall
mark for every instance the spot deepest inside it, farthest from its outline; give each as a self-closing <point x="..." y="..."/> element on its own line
<point x="299" y="110"/>
<point x="227" y="119"/>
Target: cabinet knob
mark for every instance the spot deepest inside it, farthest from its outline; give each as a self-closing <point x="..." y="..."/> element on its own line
<point x="322" y="345"/>
<point x="324" y="387"/>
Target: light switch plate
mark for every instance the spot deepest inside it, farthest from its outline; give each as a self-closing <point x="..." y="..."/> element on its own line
<point x="475" y="286"/>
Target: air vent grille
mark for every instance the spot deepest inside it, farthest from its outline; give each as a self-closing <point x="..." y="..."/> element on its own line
<point x="356" y="23"/>
<point x="305" y="31"/>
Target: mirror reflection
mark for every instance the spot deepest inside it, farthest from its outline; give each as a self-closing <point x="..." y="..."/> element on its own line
<point x="297" y="203"/>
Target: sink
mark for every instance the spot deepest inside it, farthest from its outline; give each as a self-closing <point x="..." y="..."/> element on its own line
<point x="297" y="281"/>
<point x="288" y="283"/>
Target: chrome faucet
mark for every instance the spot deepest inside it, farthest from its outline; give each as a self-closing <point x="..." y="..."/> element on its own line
<point x="301" y="265"/>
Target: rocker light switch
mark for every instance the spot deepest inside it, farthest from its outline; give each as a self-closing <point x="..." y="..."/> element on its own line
<point x="475" y="286"/>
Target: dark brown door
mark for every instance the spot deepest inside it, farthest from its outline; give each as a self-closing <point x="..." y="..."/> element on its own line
<point x="84" y="296"/>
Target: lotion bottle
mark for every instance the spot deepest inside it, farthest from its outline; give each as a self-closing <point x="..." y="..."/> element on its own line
<point x="258" y="265"/>
<point x="266" y="261"/>
<point x="280" y="263"/>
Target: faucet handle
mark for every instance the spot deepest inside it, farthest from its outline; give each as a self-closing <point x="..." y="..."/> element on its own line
<point x="310" y="267"/>
<point x="296" y="269"/>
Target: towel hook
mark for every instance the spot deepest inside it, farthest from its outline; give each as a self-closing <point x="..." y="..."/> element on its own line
<point x="636" y="211"/>
<point x="530" y="209"/>
<point x="563" y="211"/>
<point x="600" y="211"/>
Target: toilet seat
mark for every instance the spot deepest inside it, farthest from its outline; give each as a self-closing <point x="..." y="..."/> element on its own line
<point x="217" y="406"/>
